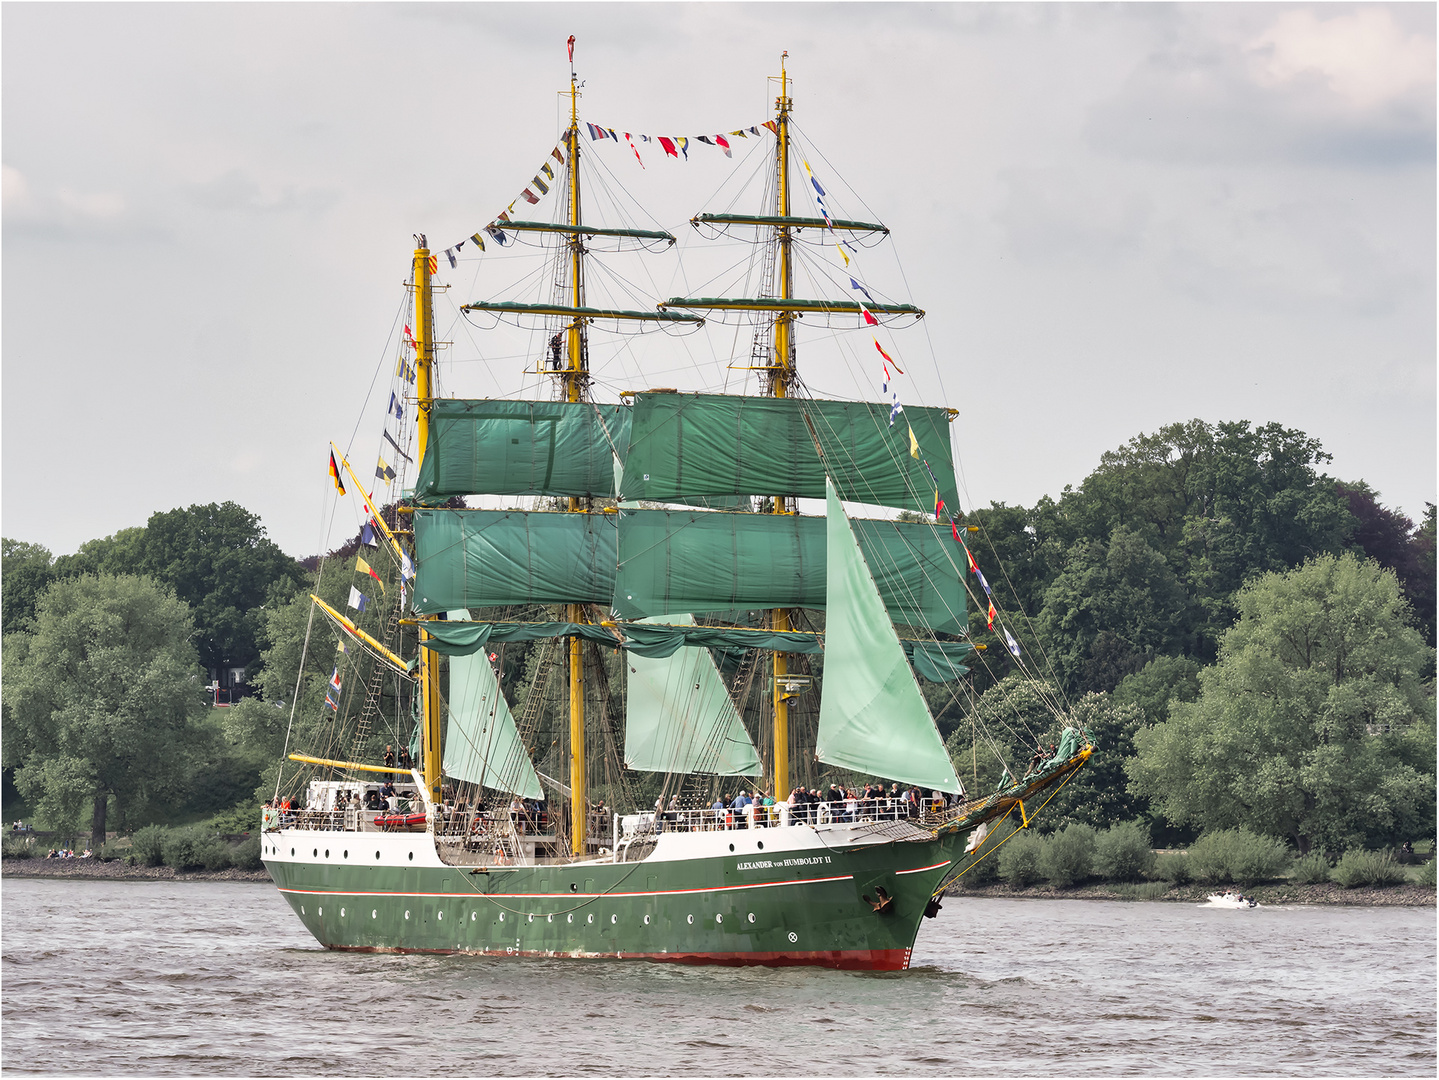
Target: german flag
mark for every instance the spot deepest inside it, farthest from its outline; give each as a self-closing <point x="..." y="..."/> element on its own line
<point x="335" y="474"/>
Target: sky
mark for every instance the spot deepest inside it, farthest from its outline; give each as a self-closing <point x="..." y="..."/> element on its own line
<point x="1115" y="217"/>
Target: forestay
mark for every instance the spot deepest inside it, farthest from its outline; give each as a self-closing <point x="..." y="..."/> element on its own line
<point x="872" y="716"/>
<point x="679" y="718"/>
<point x="688" y="445"/>
<point x="482" y="745"/>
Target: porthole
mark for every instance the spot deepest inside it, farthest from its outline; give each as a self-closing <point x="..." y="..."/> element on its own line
<point x="441" y="916"/>
<point x="691" y="919"/>
<point x="347" y="851"/>
<point x="502" y="916"/>
<point x="320" y="911"/>
<point x="751" y="916"/>
<point x="731" y="847"/>
<point x="718" y="917"/>
<point x="377" y="856"/>
<point x="793" y="936"/>
<point x="574" y="887"/>
<point x="302" y="909"/>
<point x="614" y="919"/>
<point x="407" y="914"/>
<point x="532" y="918"/>
<point x="570" y="917"/>
<point x="315" y="854"/>
<point x="342" y="913"/>
<point x="412" y="856"/>
<point x="292" y="852"/>
<point x="761" y="845"/>
<point x="327" y="853"/>
<point x="472" y="916"/>
<point x="647" y="920"/>
<point x="549" y="918"/>
<point x="589" y="918"/>
<point x="374" y="914"/>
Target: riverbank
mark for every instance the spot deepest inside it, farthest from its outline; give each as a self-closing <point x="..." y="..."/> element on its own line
<point x="1276" y="894"/>
<point x="117" y="870"/>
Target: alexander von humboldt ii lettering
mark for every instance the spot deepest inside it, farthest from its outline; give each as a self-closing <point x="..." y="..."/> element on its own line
<point x="540" y="711"/>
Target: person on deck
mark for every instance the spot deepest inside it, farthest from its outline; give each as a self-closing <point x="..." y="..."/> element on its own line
<point x="389" y="756"/>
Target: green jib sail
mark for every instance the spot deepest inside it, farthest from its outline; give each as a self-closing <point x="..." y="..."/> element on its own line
<point x="495" y="447"/>
<point x="679" y="718"/>
<point x="482" y="745"/>
<point x="687" y="445"/>
<point x="673" y="561"/>
<point x="872" y="717"/>
<point x="481" y="558"/>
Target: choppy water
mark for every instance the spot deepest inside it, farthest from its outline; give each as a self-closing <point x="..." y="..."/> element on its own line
<point x="175" y="978"/>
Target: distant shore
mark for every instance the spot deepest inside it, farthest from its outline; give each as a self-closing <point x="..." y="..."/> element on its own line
<point x="1276" y="894"/>
<point x="117" y="870"/>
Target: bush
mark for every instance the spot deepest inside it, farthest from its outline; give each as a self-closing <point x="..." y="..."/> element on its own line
<point x="111" y="850"/>
<point x="214" y="854"/>
<point x="1236" y="855"/>
<point x="246" y="856"/>
<point x="1173" y="866"/>
<point x="1425" y="874"/>
<point x="1019" y="860"/>
<point x="1067" y="857"/>
<point x="184" y="849"/>
<point x="1122" y="852"/>
<point x="1367" y="868"/>
<point x="1312" y="869"/>
<point x="15" y="847"/>
<point x="147" y="846"/>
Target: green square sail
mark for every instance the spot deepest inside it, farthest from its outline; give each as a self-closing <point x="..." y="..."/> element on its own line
<point x="687" y="445"/>
<point x="678" y="561"/>
<point x="481" y="558"/>
<point x="494" y="447"/>
<point x="482" y="745"/>
<point x="872" y="716"/>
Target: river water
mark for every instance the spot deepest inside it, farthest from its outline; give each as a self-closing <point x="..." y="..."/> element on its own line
<point x="167" y="978"/>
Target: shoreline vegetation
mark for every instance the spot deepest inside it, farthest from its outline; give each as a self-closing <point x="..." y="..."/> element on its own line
<point x="1275" y="893"/>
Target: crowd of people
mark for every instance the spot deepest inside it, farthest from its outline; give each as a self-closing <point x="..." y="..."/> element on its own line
<point x="834" y="804"/>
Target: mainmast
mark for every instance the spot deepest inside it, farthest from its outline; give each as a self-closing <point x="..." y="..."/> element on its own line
<point x="429" y="660"/>
<point x="575" y="379"/>
<point x="781" y="376"/>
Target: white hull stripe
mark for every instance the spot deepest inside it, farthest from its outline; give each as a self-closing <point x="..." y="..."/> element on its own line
<point x="574" y="895"/>
<point x="922" y="869"/>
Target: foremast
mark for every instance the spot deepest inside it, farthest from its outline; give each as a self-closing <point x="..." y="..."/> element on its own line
<point x="429" y="659"/>
<point x="781" y="376"/>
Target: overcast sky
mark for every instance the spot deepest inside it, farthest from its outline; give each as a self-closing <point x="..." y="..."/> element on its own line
<point x="1116" y="218"/>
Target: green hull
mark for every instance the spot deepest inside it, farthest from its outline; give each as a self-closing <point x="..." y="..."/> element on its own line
<point x="799" y="902"/>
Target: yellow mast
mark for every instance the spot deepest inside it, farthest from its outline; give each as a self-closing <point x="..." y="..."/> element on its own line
<point x="575" y="377"/>
<point x="429" y="660"/>
<point x="781" y="376"/>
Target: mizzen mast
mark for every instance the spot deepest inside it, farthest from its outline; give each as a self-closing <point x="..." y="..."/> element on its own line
<point x="429" y="659"/>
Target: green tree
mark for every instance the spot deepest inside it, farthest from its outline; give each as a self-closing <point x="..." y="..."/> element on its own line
<point x="1163" y="680"/>
<point x="1317" y="722"/>
<point x="25" y="573"/>
<point x="102" y="699"/>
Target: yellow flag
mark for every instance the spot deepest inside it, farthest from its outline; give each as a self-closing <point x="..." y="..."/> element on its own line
<point x="913" y="442"/>
<point x="842" y="255"/>
<point x="363" y="567"/>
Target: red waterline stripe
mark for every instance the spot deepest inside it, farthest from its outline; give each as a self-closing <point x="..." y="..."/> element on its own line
<point x="922" y="869"/>
<point x="591" y="896"/>
<point x="843" y="959"/>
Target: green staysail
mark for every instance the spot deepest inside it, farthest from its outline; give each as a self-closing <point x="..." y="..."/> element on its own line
<point x="496" y="447"/>
<point x="482" y="745"/>
<point x="687" y="445"/>
<point x="679" y="718"/>
<point x="673" y="561"/>
<point x="872" y="716"/>
<point x="483" y="558"/>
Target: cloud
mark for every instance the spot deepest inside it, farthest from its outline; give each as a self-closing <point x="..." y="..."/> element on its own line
<point x="1353" y="90"/>
<point x="66" y="213"/>
<point x="237" y="191"/>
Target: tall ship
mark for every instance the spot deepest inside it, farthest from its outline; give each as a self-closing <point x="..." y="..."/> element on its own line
<point x="655" y="694"/>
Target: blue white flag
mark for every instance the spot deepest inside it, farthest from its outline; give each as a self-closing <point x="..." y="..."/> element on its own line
<point x="1013" y="645"/>
<point x="396" y="406"/>
<point x="367" y="535"/>
<point x="358" y="600"/>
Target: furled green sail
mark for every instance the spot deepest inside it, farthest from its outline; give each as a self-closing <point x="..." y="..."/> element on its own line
<point x="679" y="718"/>
<point x="872" y="716"/>
<point x="673" y="561"/>
<point x="481" y="558"/>
<point x="496" y="447"/>
<point x="686" y="445"/>
<point x="482" y="745"/>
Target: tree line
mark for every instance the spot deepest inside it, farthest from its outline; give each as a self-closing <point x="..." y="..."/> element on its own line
<point x="1248" y="639"/>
